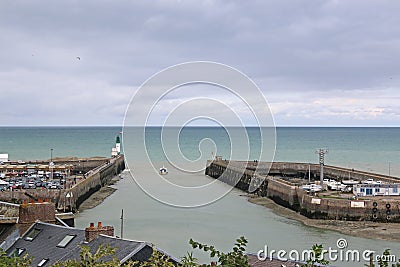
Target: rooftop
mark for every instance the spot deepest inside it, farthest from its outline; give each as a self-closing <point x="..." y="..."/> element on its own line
<point x="47" y="243"/>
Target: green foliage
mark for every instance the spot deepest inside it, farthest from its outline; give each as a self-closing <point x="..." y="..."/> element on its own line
<point x="157" y="259"/>
<point x="15" y="261"/>
<point x="316" y="257"/>
<point x="87" y="259"/>
<point x="189" y="260"/>
<point x="235" y="258"/>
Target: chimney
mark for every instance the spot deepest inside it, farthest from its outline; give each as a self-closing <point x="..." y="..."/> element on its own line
<point x="92" y="232"/>
<point x="30" y="212"/>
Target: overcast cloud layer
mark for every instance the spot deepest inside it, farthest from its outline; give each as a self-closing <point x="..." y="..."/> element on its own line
<point x="322" y="63"/>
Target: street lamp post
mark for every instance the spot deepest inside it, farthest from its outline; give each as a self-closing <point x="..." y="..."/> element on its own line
<point x="51" y="164"/>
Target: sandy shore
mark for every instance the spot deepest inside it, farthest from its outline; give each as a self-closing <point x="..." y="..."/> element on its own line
<point x="383" y="231"/>
<point x="98" y="197"/>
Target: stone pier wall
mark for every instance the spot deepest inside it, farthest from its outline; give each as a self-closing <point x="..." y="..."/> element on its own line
<point x="313" y="206"/>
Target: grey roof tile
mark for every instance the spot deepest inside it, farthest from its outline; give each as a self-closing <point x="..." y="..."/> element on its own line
<point x="44" y="245"/>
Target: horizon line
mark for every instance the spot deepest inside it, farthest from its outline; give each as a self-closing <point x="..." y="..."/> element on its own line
<point x="204" y="126"/>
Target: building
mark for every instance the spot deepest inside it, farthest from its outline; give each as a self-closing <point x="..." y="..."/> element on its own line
<point x="365" y="190"/>
<point x="15" y="219"/>
<point x="48" y="243"/>
<point x="36" y="230"/>
<point x="114" y="152"/>
<point x="3" y="158"/>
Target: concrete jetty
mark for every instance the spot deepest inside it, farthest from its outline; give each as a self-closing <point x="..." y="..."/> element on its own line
<point x="95" y="173"/>
<point x="280" y="182"/>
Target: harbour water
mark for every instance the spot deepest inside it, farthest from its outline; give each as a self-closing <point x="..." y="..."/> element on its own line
<point x="371" y="149"/>
<point x="219" y="224"/>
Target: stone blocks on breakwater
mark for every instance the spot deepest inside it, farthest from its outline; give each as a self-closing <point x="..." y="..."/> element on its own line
<point x="271" y="183"/>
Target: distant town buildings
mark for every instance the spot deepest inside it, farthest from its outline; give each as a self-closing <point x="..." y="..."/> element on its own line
<point x="3" y="158"/>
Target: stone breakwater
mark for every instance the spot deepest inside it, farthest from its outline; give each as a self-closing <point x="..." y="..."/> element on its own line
<point x="271" y="180"/>
<point x="99" y="173"/>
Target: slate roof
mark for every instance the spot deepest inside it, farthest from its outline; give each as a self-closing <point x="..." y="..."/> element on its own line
<point x="125" y="249"/>
<point x="44" y="245"/>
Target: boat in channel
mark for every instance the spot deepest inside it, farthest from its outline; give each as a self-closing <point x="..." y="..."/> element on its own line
<point x="163" y="170"/>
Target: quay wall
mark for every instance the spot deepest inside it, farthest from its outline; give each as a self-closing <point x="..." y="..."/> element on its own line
<point x="386" y="209"/>
<point x="96" y="178"/>
<point x="282" y="193"/>
<point x="70" y="199"/>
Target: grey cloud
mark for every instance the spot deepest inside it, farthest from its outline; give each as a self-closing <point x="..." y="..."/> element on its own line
<point x="295" y="51"/>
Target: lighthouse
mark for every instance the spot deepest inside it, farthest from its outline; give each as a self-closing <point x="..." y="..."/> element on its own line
<point x="115" y="151"/>
<point x="118" y="145"/>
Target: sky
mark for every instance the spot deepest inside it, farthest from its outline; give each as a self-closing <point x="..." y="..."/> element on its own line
<point x="318" y="63"/>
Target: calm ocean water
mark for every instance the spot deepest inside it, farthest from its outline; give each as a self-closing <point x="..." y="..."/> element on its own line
<point x="27" y="143"/>
<point x="220" y="223"/>
<point x="371" y="149"/>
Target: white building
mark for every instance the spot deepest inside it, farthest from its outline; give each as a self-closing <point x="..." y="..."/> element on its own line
<point x="365" y="190"/>
<point x="3" y="157"/>
<point x="114" y="152"/>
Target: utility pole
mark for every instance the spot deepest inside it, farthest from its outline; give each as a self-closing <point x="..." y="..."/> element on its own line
<point x="389" y="168"/>
<point x="321" y="154"/>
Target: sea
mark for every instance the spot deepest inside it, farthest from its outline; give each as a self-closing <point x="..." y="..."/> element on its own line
<point x="218" y="222"/>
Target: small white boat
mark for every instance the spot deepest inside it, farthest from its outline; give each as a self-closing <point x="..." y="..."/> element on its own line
<point x="368" y="181"/>
<point x="334" y="185"/>
<point x="350" y="182"/>
<point x="306" y="187"/>
<point x="315" y="188"/>
<point x="312" y="187"/>
<point x="163" y="170"/>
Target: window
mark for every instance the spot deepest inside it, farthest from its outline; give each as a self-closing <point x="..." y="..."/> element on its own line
<point x="368" y="191"/>
<point x="17" y="252"/>
<point x="362" y="190"/>
<point x="395" y="190"/>
<point x="63" y="243"/>
<point x="377" y="190"/>
<point x="32" y="234"/>
<point x="42" y="262"/>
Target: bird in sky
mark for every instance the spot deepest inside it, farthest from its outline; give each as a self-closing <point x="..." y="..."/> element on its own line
<point x="78" y="58"/>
